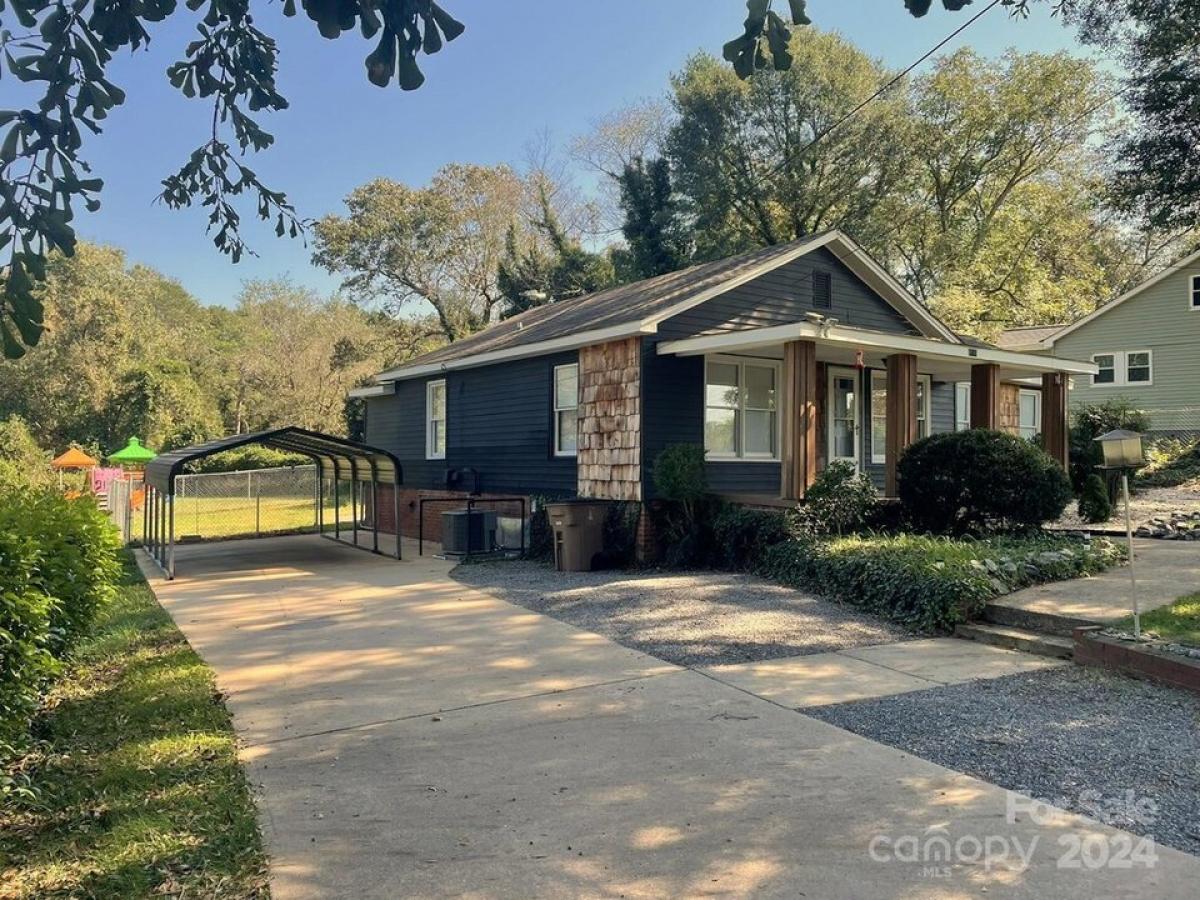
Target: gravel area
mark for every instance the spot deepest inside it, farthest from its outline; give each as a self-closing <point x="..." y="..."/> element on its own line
<point x="691" y="619"/>
<point x="1069" y="736"/>
<point x="1145" y="504"/>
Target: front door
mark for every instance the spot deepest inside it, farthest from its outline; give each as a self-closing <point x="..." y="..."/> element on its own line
<point x="843" y="414"/>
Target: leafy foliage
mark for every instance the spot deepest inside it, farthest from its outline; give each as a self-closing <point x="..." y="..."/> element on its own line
<point x="742" y="536"/>
<point x="654" y="229"/>
<point x="681" y="487"/>
<point x="841" y="498"/>
<point x="1173" y="461"/>
<point x="64" y="51"/>
<point x="1088" y="423"/>
<point x="764" y="43"/>
<point x="980" y="480"/>
<point x="1094" y="505"/>
<point x="22" y="460"/>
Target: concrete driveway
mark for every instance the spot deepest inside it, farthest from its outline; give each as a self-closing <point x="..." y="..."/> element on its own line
<point x="411" y="737"/>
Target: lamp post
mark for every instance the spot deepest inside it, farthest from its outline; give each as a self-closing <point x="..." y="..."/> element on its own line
<point x="1123" y="450"/>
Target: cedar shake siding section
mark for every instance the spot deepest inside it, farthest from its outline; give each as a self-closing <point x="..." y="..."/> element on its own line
<point x="783" y="296"/>
<point x="499" y="421"/>
<point x="610" y="421"/>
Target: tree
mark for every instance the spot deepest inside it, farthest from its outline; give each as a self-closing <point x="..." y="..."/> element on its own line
<point x="440" y="245"/>
<point x="658" y="238"/>
<point x="548" y="265"/>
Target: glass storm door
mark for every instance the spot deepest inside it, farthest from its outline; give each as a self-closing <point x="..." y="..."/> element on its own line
<point x="843" y="415"/>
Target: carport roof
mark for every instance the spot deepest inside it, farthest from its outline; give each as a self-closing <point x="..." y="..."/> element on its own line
<point x="339" y="455"/>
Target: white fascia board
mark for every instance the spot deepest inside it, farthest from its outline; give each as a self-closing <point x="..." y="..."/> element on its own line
<point x="748" y="339"/>
<point x="373" y="390"/>
<point x="524" y="351"/>
<point x="1128" y="295"/>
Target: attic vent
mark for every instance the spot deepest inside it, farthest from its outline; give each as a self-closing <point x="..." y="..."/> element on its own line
<point x="822" y="289"/>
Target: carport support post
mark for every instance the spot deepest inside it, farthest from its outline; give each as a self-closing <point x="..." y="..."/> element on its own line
<point x="374" y="505"/>
<point x="396" y="508"/>
<point x="320" y="511"/>
<point x="145" y="511"/>
<point x="170" y="536"/>
<point x="337" y="502"/>
<point x="354" y="500"/>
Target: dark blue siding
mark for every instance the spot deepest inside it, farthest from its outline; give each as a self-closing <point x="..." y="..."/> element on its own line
<point x="498" y="421"/>
<point x="784" y="296"/>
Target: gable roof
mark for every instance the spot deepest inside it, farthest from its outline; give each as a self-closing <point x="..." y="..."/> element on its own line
<point x="639" y="307"/>
<point x="1128" y="295"/>
<point x="1025" y="336"/>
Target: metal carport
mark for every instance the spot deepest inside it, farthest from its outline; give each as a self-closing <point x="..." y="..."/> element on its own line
<point x="334" y="456"/>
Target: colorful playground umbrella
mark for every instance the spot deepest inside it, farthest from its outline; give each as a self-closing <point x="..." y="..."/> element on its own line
<point x="73" y="459"/>
<point x="132" y="454"/>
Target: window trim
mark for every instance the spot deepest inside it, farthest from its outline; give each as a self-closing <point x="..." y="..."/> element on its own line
<point x="741" y="362"/>
<point x="1194" y="293"/>
<point x="1121" y="369"/>
<point x="965" y="421"/>
<point x="879" y="456"/>
<point x="555" y="409"/>
<point x="430" y="452"/>
<point x="1037" y="412"/>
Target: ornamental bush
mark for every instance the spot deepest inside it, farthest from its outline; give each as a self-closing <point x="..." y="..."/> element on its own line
<point x="980" y="480"/>
<point x="841" y="498"/>
<point x="742" y="536"/>
<point x="1094" y="505"/>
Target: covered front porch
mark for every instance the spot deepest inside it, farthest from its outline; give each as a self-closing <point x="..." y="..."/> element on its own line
<point x="843" y="393"/>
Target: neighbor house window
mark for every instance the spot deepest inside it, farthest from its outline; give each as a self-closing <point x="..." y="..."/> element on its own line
<point x="822" y="287"/>
<point x="962" y="406"/>
<point x="435" y="420"/>
<point x="1123" y="368"/>
<point x="1029" y="422"/>
<point x="1195" y="293"/>
<point x="879" y="413"/>
<point x="741" y="409"/>
<point x="566" y="409"/>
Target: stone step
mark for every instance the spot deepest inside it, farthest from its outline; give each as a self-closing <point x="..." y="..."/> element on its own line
<point x="1047" y="623"/>
<point x="1021" y="639"/>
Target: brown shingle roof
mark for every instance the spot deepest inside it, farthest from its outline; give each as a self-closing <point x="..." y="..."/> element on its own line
<point x="1026" y="335"/>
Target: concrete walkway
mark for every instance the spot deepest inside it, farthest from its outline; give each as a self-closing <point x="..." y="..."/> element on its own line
<point x="412" y="737"/>
<point x="1166" y="570"/>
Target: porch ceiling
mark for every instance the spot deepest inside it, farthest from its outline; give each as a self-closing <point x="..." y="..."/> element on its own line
<point x="838" y="344"/>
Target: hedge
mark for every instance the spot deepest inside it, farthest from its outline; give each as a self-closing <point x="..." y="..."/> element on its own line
<point x="927" y="583"/>
<point x="59" y="563"/>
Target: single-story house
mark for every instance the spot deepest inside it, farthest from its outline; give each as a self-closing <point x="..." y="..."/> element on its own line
<point x="1145" y="346"/>
<point x="777" y="361"/>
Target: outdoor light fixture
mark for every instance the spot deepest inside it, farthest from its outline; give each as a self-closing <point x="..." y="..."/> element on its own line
<point x="1123" y="451"/>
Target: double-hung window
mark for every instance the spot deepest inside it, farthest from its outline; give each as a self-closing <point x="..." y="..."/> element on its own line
<point x="1029" y="414"/>
<point x="741" y="409"/>
<point x="962" y="406"/>
<point x="1194" y="293"/>
<point x="1123" y="368"/>
<point x="435" y="420"/>
<point x="879" y="413"/>
<point x="566" y="409"/>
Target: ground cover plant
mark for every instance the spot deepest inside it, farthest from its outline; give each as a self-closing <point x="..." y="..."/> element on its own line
<point x="132" y="787"/>
<point x="1178" y="622"/>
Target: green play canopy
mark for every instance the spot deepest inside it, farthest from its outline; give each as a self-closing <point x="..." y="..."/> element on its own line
<point x="132" y="453"/>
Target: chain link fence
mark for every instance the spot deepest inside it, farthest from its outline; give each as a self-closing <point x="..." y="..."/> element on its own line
<point x="217" y="505"/>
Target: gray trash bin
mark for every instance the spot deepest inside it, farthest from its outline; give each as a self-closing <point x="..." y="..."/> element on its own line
<point x="578" y="529"/>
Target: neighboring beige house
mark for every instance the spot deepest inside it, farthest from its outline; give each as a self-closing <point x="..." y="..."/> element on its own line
<point x="1145" y="344"/>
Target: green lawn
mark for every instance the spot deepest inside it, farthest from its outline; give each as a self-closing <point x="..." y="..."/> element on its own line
<point x="136" y="787"/>
<point x="1179" y="622"/>
<point x="223" y="517"/>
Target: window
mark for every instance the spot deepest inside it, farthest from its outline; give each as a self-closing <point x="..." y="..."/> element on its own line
<point x="962" y="406"/>
<point x="1195" y="292"/>
<point x="1029" y="421"/>
<point x="879" y="413"/>
<point x="741" y="409"/>
<point x="1123" y="369"/>
<point x="822" y="288"/>
<point x="566" y="409"/>
<point x="1137" y="367"/>
<point x="435" y="420"/>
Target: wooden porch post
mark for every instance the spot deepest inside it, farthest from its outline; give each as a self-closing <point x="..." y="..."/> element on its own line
<point x="1055" y="433"/>
<point x="901" y="412"/>
<point x="798" y="398"/>
<point x="985" y="395"/>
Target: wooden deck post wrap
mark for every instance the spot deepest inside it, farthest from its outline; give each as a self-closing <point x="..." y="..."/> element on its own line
<point x="609" y="454"/>
<point x="798" y="402"/>
<point x="901" y="412"/>
<point x="985" y="395"/>
<point x="1055" y="435"/>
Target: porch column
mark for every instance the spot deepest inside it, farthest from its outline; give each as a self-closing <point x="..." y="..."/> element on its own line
<point x="985" y="395"/>
<point x="901" y="412"/>
<point x="1055" y="428"/>
<point x="798" y="399"/>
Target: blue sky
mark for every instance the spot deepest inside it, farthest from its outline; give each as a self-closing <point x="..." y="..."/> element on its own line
<point x="523" y="67"/>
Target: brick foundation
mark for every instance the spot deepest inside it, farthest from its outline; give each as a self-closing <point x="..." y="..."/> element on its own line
<point x="410" y="509"/>
<point x="1095" y="649"/>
